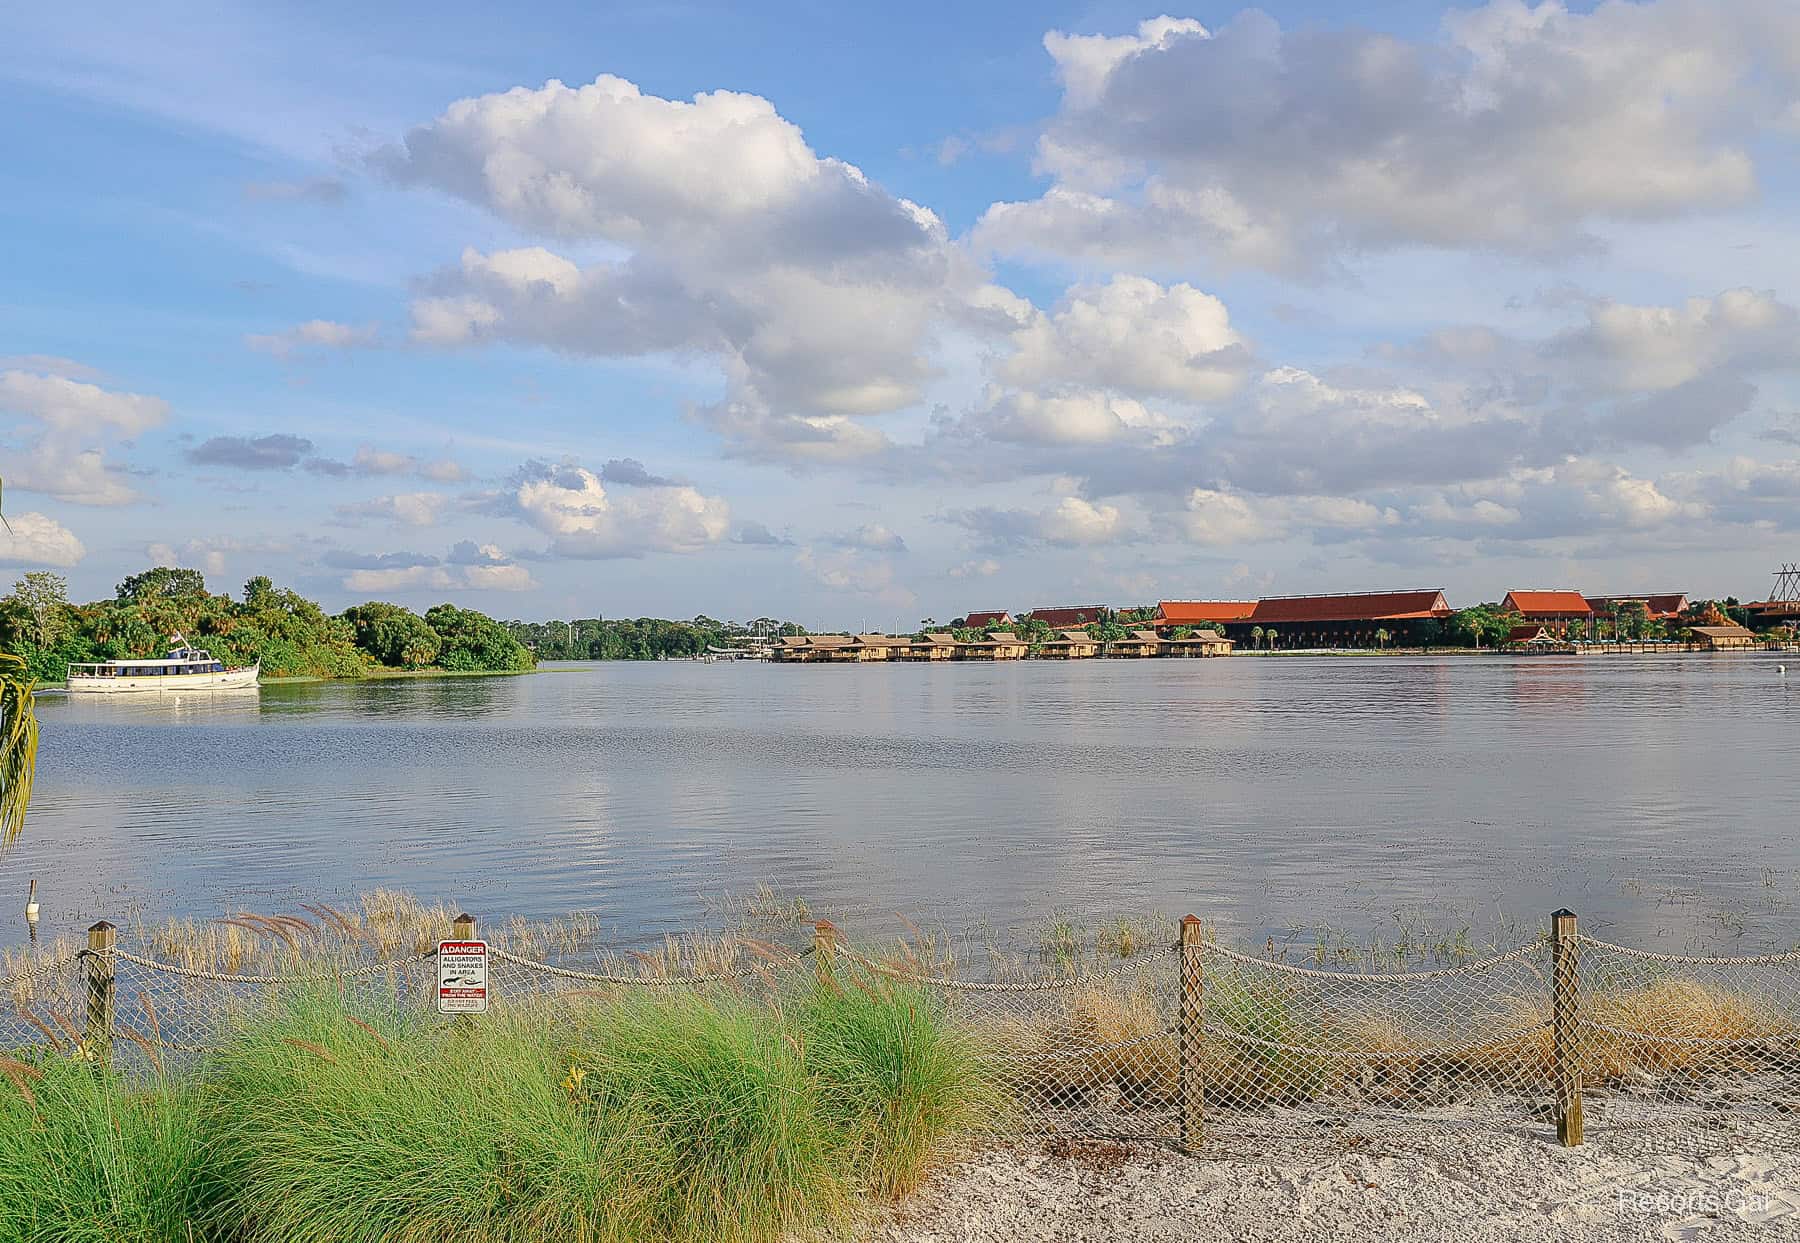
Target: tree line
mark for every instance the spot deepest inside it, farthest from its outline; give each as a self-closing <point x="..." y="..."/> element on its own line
<point x="642" y="638"/>
<point x="290" y="635"/>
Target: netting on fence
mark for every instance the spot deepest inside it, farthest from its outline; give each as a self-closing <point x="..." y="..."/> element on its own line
<point x="1196" y="1042"/>
<point x="1708" y="1048"/>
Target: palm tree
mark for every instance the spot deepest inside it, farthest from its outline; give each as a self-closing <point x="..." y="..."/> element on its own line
<point x="18" y="741"/>
<point x="1256" y="636"/>
<point x="1382" y="637"/>
<point x="1269" y="634"/>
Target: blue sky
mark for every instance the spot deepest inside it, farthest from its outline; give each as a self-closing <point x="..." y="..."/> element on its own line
<point x="864" y="315"/>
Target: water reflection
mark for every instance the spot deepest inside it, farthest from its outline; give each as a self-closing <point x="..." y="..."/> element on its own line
<point x="1653" y="794"/>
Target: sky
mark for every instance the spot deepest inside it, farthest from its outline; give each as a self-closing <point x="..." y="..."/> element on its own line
<point x="860" y="315"/>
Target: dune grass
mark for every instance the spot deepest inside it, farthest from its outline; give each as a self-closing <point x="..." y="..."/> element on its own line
<point x="705" y="1114"/>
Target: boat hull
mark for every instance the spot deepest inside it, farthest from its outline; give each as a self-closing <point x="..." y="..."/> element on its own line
<point x="229" y="680"/>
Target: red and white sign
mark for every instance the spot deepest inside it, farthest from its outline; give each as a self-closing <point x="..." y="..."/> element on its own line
<point x="462" y="977"/>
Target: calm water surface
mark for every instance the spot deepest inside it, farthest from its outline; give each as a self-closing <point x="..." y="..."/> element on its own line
<point x="1658" y="796"/>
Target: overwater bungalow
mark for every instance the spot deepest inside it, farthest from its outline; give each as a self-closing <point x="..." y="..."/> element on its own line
<point x="936" y="645"/>
<point x="1200" y="643"/>
<point x="1139" y="645"/>
<point x="1000" y="645"/>
<point x="1721" y="638"/>
<point x="1069" y="645"/>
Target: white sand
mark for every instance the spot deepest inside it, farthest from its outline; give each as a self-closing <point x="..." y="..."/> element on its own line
<point x="1459" y="1189"/>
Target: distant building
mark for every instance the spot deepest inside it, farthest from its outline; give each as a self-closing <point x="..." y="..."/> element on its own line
<point x="1660" y="605"/>
<point x="1069" y="645"/>
<point x="1721" y="638"/>
<point x="1173" y="613"/>
<point x="1000" y="645"/>
<point x="934" y="646"/>
<point x="1556" y="610"/>
<point x="1349" y="620"/>
<point x="1138" y="645"/>
<point x="1533" y="634"/>
<point x="1067" y="615"/>
<point x="1200" y="643"/>
<point x="995" y="617"/>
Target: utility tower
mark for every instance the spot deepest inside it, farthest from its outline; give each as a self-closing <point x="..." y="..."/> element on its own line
<point x="1787" y="586"/>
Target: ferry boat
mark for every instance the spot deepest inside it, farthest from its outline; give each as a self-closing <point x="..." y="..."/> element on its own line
<point x="185" y="668"/>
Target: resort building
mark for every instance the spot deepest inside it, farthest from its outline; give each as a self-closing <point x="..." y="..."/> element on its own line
<point x="879" y="647"/>
<point x="1000" y="645"/>
<point x="1661" y="606"/>
<point x="1173" y="613"/>
<point x="934" y="646"/>
<point x="1533" y="634"/>
<point x="1137" y="646"/>
<point x="1200" y="643"/>
<point x="991" y="617"/>
<point x="815" y="649"/>
<point x="1721" y="638"/>
<point x="1343" y="621"/>
<point x="1554" y="610"/>
<point x="1069" y="645"/>
<point x="1067" y="615"/>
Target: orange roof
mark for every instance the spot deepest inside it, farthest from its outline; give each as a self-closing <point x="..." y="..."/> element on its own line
<point x="1363" y="606"/>
<point x="1186" y="612"/>
<point x="1662" y="605"/>
<point x="1548" y="603"/>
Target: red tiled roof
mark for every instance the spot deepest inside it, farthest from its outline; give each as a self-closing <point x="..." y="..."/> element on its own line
<point x="1364" y="606"/>
<point x="987" y="618"/>
<point x="1069" y="615"/>
<point x="1529" y="633"/>
<point x="1532" y="604"/>
<point x="1186" y="612"/>
<point x="1661" y="605"/>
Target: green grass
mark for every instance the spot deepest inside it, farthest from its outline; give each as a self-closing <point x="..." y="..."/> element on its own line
<point x="628" y="1115"/>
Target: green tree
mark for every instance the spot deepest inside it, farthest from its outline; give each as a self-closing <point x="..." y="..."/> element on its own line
<point x="18" y="743"/>
<point x="43" y="598"/>
<point x="394" y="636"/>
<point x="472" y="641"/>
<point x="1256" y="637"/>
<point x="164" y="582"/>
<point x="259" y="592"/>
<point x="1382" y="637"/>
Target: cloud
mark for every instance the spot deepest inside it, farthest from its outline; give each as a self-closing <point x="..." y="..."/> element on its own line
<point x="468" y="566"/>
<point x="67" y="423"/>
<point x="759" y="535"/>
<point x="413" y="509"/>
<point x="1070" y="523"/>
<point x="314" y="334"/>
<point x="370" y="462"/>
<point x="279" y="451"/>
<point x="1072" y="418"/>
<point x="570" y="504"/>
<point x="985" y="567"/>
<point x="857" y="572"/>
<point x="211" y="555"/>
<point x="1513" y="129"/>
<point x="329" y="190"/>
<point x="630" y="473"/>
<point x="33" y="539"/>
<point x="1135" y="336"/>
<point x="815" y="290"/>
<point x="872" y="537"/>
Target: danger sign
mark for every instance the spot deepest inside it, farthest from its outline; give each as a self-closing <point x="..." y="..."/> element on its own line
<point x="462" y="977"/>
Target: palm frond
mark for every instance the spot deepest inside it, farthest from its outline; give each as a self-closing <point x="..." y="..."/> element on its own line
<point x="18" y="746"/>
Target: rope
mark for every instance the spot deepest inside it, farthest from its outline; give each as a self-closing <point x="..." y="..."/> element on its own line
<point x="1685" y="960"/>
<point x="220" y="977"/>
<point x="1398" y="977"/>
<point x="1030" y="986"/>
<point x="1721" y="1041"/>
<point x="647" y="981"/>
<point x="1383" y="1055"/>
<point x="39" y="972"/>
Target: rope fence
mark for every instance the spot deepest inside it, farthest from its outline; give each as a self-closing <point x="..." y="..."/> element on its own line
<point x="1196" y="1043"/>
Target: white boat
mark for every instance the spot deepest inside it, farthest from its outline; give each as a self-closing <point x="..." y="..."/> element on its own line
<point x="183" y="669"/>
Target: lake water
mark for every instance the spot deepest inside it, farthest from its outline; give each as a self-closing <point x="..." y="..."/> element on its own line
<point x="1657" y="796"/>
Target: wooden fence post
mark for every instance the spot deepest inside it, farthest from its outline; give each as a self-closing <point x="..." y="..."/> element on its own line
<point x="1192" y="1036"/>
<point x="824" y="949"/>
<point x="462" y="928"/>
<point x="98" y="966"/>
<point x="1565" y="1032"/>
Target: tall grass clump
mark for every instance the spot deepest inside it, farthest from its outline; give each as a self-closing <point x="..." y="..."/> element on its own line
<point x="897" y="1079"/>
<point x="716" y="1100"/>
<point x="85" y="1158"/>
<point x="332" y="1127"/>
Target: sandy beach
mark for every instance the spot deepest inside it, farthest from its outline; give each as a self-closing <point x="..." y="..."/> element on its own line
<point x="1461" y="1189"/>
